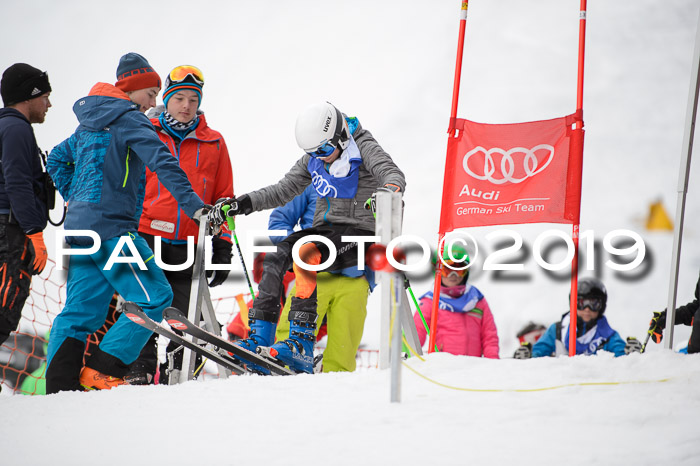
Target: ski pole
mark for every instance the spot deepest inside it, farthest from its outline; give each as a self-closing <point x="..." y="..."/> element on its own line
<point x="232" y="226"/>
<point x="407" y="284"/>
<point x="650" y="332"/>
<point x="201" y="366"/>
<point x="646" y="340"/>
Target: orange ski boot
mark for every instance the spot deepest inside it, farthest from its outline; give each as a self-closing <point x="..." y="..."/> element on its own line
<point x="94" y="380"/>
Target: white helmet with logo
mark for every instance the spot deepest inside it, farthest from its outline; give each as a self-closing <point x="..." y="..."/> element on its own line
<point x="321" y="126"/>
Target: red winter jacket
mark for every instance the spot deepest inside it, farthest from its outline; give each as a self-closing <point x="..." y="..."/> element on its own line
<point x="204" y="158"/>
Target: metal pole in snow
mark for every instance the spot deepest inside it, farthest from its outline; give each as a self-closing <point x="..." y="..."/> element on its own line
<point x="396" y="291"/>
<point x="683" y="176"/>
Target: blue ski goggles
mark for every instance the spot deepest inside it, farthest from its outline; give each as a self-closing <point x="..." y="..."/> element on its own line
<point x="323" y="151"/>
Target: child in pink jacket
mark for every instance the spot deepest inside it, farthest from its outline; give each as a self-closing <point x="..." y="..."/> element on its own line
<point x="465" y="324"/>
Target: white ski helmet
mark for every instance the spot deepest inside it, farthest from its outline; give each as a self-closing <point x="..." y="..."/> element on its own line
<point x="321" y="127"/>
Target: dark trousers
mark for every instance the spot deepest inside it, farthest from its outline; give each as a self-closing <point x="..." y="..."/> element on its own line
<point x="16" y="257"/>
<point x="694" y="342"/>
<point x="180" y="282"/>
<point x="270" y="291"/>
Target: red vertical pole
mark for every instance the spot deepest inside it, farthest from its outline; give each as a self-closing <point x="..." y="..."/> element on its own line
<point x="458" y="67"/>
<point x="436" y="297"/>
<point x="575" y="227"/>
<point x="451" y="132"/>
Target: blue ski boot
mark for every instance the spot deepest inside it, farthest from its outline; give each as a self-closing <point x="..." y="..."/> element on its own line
<point x="262" y="333"/>
<point x="297" y="351"/>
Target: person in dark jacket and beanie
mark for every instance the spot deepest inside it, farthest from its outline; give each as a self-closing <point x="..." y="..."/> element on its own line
<point x="23" y="194"/>
<point x="100" y="171"/>
<point x="688" y="314"/>
<point x="203" y="156"/>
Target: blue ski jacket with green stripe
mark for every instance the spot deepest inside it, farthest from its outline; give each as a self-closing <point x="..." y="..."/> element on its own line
<point x="100" y="168"/>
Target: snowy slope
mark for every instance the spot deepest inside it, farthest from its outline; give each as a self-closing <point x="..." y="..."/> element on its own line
<point x="347" y="419"/>
<point x="391" y="63"/>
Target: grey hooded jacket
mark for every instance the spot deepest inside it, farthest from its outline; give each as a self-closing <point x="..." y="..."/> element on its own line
<point x="377" y="170"/>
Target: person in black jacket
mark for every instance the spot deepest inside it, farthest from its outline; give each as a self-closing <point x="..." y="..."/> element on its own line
<point x="23" y="195"/>
<point x="688" y="314"/>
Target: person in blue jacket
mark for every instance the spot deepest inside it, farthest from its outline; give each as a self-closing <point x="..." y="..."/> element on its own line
<point x="593" y="333"/>
<point x="100" y="172"/>
<point x="342" y="295"/>
<point x="297" y="212"/>
<point x="24" y="197"/>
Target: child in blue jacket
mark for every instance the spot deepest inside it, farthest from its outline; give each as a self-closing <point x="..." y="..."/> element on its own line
<point x="593" y="333"/>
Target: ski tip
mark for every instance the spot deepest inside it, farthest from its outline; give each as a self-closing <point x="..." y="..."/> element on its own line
<point x="172" y="310"/>
<point x="130" y="306"/>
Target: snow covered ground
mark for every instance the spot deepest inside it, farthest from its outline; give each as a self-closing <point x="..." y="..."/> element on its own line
<point x="347" y="419"/>
<point x="391" y="63"/>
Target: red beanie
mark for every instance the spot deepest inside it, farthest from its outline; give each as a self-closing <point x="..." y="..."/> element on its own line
<point x="134" y="73"/>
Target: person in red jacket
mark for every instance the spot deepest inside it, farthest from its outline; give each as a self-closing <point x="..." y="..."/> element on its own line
<point x="203" y="156"/>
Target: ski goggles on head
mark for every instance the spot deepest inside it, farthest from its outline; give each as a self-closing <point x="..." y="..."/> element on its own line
<point x="324" y="150"/>
<point x="179" y="74"/>
<point x="594" y="304"/>
<point x="447" y="272"/>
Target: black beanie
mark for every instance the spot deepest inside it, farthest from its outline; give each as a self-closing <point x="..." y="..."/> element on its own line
<point x="22" y="82"/>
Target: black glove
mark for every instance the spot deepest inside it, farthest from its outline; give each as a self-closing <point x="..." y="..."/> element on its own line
<point x="524" y="352"/>
<point x="221" y="254"/>
<point x="241" y="205"/>
<point x="217" y="216"/>
<point x="204" y="210"/>
<point x="633" y="346"/>
<point x="657" y="326"/>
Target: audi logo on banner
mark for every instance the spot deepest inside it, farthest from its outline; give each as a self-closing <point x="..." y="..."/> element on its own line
<point x="516" y="165"/>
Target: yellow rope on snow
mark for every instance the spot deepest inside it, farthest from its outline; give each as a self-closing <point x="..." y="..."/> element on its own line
<point x="496" y="390"/>
<point x="410" y="348"/>
<point x="527" y="390"/>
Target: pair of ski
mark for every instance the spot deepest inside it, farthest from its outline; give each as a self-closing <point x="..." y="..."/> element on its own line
<point x="225" y="353"/>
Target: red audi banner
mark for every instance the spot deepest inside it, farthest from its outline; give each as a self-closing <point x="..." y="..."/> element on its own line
<point x="512" y="173"/>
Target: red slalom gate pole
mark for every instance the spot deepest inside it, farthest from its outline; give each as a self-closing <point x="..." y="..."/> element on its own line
<point x="581" y="56"/>
<point x="573" y="296"/>
<point x="436" y="297"/>
<point x="573" y="300"/>
<point x="458" y="67"/>
<point x="451" y="132"/>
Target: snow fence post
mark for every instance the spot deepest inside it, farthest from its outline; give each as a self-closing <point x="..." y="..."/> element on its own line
<point x="397" y="289"/>
<point x="388" y="227"/>
<point x="683" y="176"/>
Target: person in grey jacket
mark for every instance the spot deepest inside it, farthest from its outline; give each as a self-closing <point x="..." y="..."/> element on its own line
<point x="346" y="166"/>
